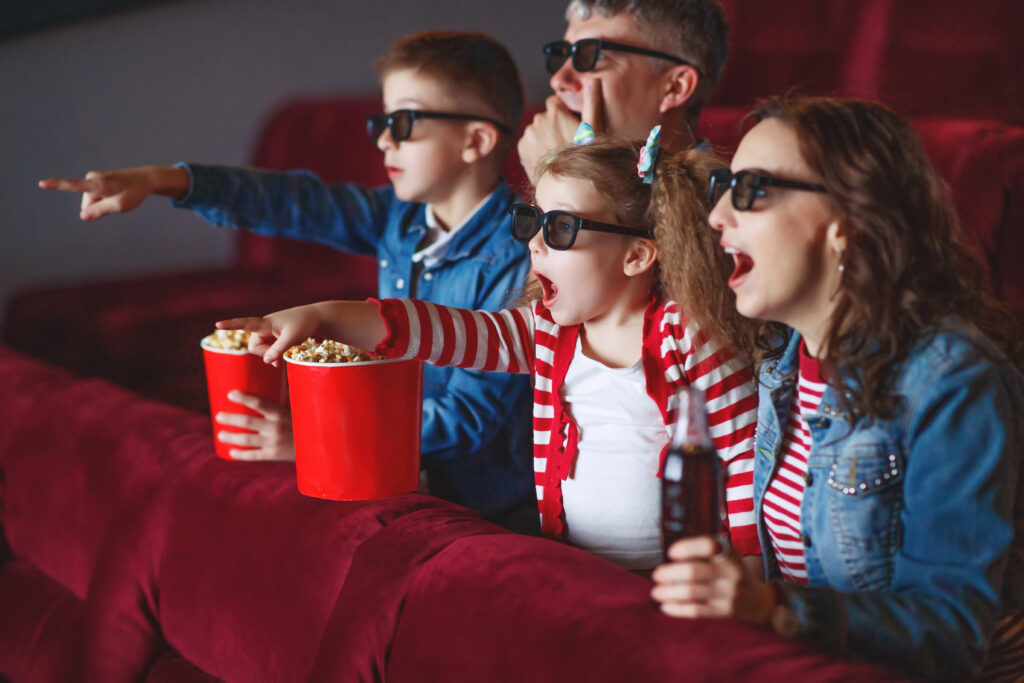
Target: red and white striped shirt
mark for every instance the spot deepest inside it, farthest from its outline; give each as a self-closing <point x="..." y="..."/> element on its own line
<point x="782" y="500"/>
<point x="527" y="339"/>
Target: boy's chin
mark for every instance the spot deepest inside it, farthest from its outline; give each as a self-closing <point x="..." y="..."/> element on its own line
<point x="404" y="193"/>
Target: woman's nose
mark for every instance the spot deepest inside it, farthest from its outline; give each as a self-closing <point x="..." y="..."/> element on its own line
<point x="722" y="214"/>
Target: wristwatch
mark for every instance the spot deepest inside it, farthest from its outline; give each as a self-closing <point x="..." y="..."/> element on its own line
<point x="782" y="619"/>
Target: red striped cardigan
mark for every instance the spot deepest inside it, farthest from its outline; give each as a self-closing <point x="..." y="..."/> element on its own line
<point x="526" y="340"/>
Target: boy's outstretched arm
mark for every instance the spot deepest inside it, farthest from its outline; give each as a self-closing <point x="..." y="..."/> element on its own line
<point x="357" y="323"/>
<point x="106" y="192"/>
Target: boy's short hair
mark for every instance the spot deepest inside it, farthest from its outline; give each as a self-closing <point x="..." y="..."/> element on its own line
<point x="473" y="64"/>
<point x="693" y="29"/>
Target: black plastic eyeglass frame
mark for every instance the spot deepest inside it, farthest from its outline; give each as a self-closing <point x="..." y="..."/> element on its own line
<point x="541" y="221"/>
<point x="400" y="121"/>
<point x="723" y="179"/>
<point x="556" y="54"/>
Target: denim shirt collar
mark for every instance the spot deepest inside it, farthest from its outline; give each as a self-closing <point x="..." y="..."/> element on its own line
<point x="469" y="238"/>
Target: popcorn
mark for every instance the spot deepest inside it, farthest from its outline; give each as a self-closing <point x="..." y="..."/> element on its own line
<point x="228" y="340"/>
<point x="328" y="351"/>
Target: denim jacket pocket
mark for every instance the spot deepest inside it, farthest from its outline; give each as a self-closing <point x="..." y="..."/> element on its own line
<point x="866" y="496"/>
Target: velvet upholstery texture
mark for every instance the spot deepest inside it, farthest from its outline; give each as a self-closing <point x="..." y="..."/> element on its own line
<point x="949" y="58"/>
<point x="137" y="555"/>
<point x="508" y="608"/>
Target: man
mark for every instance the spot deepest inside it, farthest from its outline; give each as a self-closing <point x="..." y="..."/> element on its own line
<point x="625" y="66"/>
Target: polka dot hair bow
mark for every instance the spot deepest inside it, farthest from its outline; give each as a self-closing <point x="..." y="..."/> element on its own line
<point x="649" y="155"/>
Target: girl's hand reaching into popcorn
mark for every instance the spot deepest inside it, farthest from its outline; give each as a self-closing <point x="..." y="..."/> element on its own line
<point x="357" y="323"/>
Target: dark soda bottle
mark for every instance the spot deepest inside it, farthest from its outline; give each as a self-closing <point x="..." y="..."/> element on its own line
<point x="692" y="485"/>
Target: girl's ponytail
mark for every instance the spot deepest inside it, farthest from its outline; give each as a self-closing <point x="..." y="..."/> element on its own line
<point x="694" y="268"/>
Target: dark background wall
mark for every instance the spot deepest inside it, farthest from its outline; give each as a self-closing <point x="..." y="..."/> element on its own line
<point x="188" y="80"/>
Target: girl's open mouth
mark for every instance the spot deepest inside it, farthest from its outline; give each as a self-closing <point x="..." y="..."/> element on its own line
<point x="550" y="291"/>
<point x="744" y="264"/>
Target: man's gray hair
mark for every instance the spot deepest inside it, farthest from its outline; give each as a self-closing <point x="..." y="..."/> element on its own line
<point x="695" y="30"/>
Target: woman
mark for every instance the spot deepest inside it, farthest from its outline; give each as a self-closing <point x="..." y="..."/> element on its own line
<point x="889" y="423"/>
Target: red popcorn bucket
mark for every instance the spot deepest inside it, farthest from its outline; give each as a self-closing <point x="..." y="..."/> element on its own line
<point x="357" y="427"/>
<point x="228" y="370"/>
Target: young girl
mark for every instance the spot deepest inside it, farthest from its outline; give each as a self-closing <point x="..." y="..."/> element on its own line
<point x="890" y="425"/>
<point x="606" y="346"/>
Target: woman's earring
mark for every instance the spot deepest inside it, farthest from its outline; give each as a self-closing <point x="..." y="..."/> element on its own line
<point x="841" y="267"/>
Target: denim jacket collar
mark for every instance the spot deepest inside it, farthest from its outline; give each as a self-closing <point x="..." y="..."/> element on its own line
<point x="780" y="375"/>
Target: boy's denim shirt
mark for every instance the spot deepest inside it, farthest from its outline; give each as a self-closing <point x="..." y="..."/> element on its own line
<point x="477" y="436"/>
<point x="907" y="523"/>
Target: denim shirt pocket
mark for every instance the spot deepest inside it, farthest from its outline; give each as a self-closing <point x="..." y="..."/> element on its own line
<point x="865" y="499"/>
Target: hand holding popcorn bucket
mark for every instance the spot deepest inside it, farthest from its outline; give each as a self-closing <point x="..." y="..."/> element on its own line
<point x="230" y="366"/>
<point x="356" y="422"/>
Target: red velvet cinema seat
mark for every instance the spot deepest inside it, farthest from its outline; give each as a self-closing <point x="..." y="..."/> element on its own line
<point x="133" y="553"/>
<point x="948" y="58"/>
<point x="945" y="58"/>
<point x="776" y="46"/>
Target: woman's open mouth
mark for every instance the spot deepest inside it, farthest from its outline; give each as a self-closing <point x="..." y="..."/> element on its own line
<point x="744" y="264"/>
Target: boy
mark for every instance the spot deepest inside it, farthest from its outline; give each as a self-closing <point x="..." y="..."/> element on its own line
<point x="677" y="51"/>
<point x="453" y="102"/>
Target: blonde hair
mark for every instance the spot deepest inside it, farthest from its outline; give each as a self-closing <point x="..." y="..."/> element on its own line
<point x="692" y="269"/>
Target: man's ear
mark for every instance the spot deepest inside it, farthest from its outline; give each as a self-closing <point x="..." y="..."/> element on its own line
<point x="678" y="86"/>
<point x="640" y="257"/>
<point x="481" y="139"/>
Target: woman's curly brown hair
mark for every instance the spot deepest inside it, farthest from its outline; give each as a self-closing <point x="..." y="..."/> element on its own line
<point x="904" y="266"/>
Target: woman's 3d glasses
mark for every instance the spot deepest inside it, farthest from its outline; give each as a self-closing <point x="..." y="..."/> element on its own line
<point x="747" y="186"/>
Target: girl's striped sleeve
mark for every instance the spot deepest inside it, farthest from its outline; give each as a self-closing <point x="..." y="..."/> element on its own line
<point x="440" y="335"/>
<point x="730" y="393"/>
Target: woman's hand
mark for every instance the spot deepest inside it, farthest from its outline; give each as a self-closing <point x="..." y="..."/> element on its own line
<point x="698" y="581"/>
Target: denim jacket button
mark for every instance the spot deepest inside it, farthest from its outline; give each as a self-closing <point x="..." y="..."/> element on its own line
<point x="383" y="263"/>
<point x="399" y="283"/>
<point x="428" y="276"/>
<point x="806" y="540"/>
<point x="809" y="478"/>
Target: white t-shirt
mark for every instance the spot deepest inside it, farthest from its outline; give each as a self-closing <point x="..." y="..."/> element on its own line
<point x="612" y="497"/>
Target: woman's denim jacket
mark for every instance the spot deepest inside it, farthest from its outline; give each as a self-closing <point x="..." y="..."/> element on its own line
<point x="477" y="431"/>
<point x="907" y="522"/>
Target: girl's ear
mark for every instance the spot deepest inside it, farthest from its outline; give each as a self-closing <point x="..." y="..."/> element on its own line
<point x="678" y="86"/>
<point x="481" y="139"/>
<point x="640" y="257"/>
